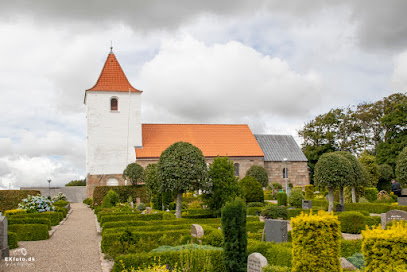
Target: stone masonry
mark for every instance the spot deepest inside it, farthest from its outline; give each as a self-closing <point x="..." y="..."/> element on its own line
<point x="297" y="172"/>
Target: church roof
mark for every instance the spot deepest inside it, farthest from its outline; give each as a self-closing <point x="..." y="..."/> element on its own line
<point x="278" y="147"/>
<point x="112" y="77"/>
<point x="213" y="140"/>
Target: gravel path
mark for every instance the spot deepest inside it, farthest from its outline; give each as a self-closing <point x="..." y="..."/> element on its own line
<point x="73" y="247"/>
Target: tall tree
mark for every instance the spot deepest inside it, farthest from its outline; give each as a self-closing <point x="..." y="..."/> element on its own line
<point x="332" y="171"/>
<point x="401" y="168"/>
<point x="358" y="178"/>
<point x="368" y="162"/>
<point x="182" y="167"/>
<point x="134" y="173"/>
<point x="151" y="180"/>
<point x="222" y="184"/>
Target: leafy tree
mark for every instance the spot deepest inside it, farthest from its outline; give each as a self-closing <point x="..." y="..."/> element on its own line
<point x="134" y="173"/>
<point x="358" y="178"/>
<point x="223" y="184"/>
<point x="332" y="171"/>
<point x="385" y="176"/>
<point x="259" y="173"/>
<point x="295" y="198"/>
<point x="151" y="180"/>
<point x="234" y="236"/>
<point x="401" y="168"/>
<point x="372" y="169"/>
<point x="181" y="167"/>
<point x="81" y="182"/>
<point x="251" y="189"/>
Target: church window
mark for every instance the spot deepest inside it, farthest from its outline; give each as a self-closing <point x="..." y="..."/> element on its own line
<point x="114" y="104"/>
<point x="112" y="182"/>
<point x="236" y="169"/>
<point x="285" y="173"/>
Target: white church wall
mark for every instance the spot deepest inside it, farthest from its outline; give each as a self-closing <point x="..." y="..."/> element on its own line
<point x="112" y="135"/>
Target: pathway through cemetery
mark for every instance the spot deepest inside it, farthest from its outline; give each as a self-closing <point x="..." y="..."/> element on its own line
<point x="73" y="247"/>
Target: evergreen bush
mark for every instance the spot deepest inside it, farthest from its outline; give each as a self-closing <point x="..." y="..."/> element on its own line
<point x="251" y="189"/>
<point x="371" y="194"/>
<point x="110" y="200"/>
<point x="295" y="198"/>
<point x="138" y="191"/>
<point x="309" y="192"/>
<point x="282" y="199"/>
<point x="274" y="212"/>
<point x="30" y="232"/>
<point x="259" y="173"/>
<point x="235" y="235"/>
<point x="352" y="222"/>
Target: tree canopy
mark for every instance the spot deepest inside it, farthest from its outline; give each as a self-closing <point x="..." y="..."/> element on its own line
<point x="81" y="182"/>
<point x="259" y="173"/>
<point x="401" y="168"/>
<point x="134" y="173"/>
<point x="371" y="167"/>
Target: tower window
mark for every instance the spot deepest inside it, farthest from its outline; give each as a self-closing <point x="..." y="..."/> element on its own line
<point x="285" y="173"/>
<point x="236" y="169"/>
<point x="114" y="104"/>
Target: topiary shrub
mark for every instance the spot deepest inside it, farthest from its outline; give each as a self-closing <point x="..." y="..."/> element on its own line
<point x="309" y="192"/>
<point x="275" y="212"/>
<point x="352" y="222"/>
<point x="234" y="236"/>
<point x="110" y="200"/>
<point x="371" y="194"/>
<point x="282" y="199"/>
<point x="12" y="240"/>
<point x="251" y="189"/>
<point x="316" y="237"/>
<point x="295" y="198"/>
<point x="385" y="250"/>
<point x="30" y="232"/>
<point x="259" y="173"/>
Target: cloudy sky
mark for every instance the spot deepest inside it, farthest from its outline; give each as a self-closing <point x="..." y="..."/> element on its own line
<point x="271" y="64"/>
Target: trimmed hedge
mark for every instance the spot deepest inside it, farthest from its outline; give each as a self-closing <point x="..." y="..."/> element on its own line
<point x="9" y="199"/>
<point x="316" y="237"/>
<point x="276" y="268"/>
<point x="14" y="212"/>
<point x="54" y="217"/>
<point x="282" y="199"/>
<point x="352" y="222"/>
<point x="61" y="203"/>
<point x="30" y="232"/>
<point x="62" y="210"/>
<point x="141" y="217"/>
<point x="123" y="191"/>
<point x="198" y="213"/>
<point x="28" y="220"/>
<point x="277" y="254"/>
<point x="350" y="247"/>
<point x="193" y="259"/>
<point x="371" y="194"/>
<point x="254" y="210"/>
<point x="373" y="207"/>
<point x="111" y="212"/>
<point x="12" y="240"/>
<point x="309" y="192"/>
<point x="385" y="250"/>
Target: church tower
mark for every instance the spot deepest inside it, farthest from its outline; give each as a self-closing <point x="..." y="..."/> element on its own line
<point x="113" y="126"/>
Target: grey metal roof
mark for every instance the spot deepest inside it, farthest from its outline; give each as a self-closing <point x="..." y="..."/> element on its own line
<point x="278" y="147"/>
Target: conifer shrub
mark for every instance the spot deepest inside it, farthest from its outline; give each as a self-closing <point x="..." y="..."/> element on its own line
<point x="30" y="232"/>
<point x="316" y="237"/>
<point x="12" y="240"/>
<point x="352" y="222"/>
<point x="295" y="198"/>
<point x="282" y="199"/>
<point x="309" y="192"/>
<point x="371" y="194"/>
<point x="234" y="236"/>
<point x="251" y="189"/>
<point x="274" y="212"/>
<point x="385" y="250"/>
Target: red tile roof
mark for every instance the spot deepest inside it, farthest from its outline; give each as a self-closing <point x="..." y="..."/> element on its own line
<point x="112" y="78"/>
<point x="213" y="140"/>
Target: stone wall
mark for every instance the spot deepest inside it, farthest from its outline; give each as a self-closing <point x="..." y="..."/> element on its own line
<point x="73" y="193"/>
<point x="100" y="180"/>
<point x="297" y="173"/>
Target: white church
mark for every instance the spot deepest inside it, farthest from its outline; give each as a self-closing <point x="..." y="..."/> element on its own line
<point x="116" y="137"/>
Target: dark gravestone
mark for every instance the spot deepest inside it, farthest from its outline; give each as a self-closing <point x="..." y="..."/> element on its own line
<point x="306" y="204"/>
<point x="392" y="215"/>
<point x="4" y="250"/>
<point x="256" y="262"/>
<point x="402" y="200"/>
<point x="276" y="230"/>
<point x="340" y="208"/>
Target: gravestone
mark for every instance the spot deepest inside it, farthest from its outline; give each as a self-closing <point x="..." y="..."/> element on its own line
<point x="149" y="210"/>
<point x="404" y="192"/>
<point x="392" y="215"/>
<point x="4" y="250"/>
<point x="306" y="204"/>
<point x="276" y="230"/>
<point x="402" y="200"/>
<point x="197" y="231"/>
<point x="138" y="201"/>
<point x="132" y="205"/>
<point x="340" y="208"/>
<point x="255" y="262"/>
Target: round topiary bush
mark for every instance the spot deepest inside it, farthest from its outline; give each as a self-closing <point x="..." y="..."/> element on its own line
<point x="295" y="198"/>
<point x="251" y="189"/>
<point x="282" y="199"/>
<point x="259" y="173"/>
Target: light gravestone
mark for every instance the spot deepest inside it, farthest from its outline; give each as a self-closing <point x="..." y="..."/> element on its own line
<point x="392" y="215"/>
<point x="306" y="204"/>
<point x="4" y="250"/>
<point x="197" y="231"/>
<point x="255" y="262"/>
<point x="402" y="200"/>
<point x="276" y="230"/>
<point x="138" y="201"/>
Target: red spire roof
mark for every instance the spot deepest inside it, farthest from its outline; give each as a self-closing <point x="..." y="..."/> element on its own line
<point x="112" y="77"/>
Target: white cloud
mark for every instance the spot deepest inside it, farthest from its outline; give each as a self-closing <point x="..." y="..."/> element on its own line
<point x="399" y="77"/>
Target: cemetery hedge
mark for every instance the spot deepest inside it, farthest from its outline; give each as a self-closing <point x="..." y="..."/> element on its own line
<point x="276" y="268"/>
<point x="142" y="217"/>
<point x="12" y="240"/>
<point x="28" y="220"/>
<point x="123" y="191"/>
<point x="54" y="217"/>
<point x="282" y="199"/>
<point x="30" y="232"/>
<point x="352" y="222"/>
<point x="9" y="199"/>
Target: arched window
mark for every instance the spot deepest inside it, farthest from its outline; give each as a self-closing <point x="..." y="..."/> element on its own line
<point x="285" y="173"/>
<point x="114" y="104"/>
<point x="112" y="182"/>
<point x="236" y="169"/>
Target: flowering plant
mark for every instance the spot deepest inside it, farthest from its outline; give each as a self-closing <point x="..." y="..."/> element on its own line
<point x="59" y="196"/>
<point x="33" y="204"/>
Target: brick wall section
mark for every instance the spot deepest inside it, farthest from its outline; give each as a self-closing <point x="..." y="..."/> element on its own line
<point x="100" y="180"/>
<point x="297" y="173"/>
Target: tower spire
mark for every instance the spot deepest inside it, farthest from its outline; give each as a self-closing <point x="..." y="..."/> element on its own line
<point x="111" y="47"/>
